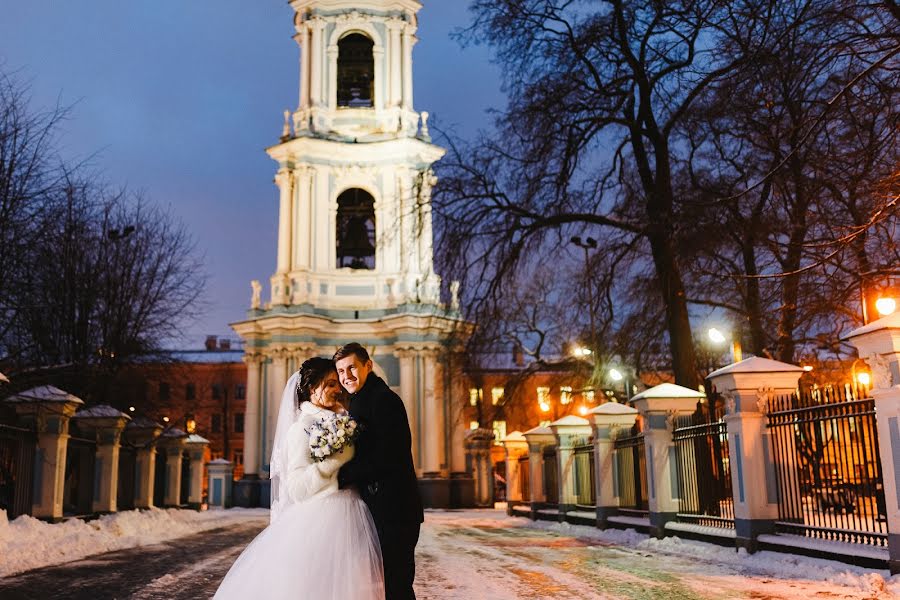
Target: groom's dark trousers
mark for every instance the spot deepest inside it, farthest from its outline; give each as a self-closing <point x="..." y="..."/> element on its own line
<point x="382" y="469"/>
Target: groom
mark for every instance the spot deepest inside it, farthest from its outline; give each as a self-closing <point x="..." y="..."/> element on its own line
<point x="382" y="468"/>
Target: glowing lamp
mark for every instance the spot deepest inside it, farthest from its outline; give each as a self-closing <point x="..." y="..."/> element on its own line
<point x="716" y="336"/>
<point x="885" y="306"/>
<point x="863" y="378"/>
<point x="616" y="375"/>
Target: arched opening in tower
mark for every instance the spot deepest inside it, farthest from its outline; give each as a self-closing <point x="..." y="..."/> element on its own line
<point x="356" y="229"/>
<point x="355" y="71"/>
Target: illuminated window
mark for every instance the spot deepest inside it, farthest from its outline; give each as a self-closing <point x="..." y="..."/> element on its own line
<point x="499" y="431"/>
<point x="588" y="395"/>
<point x="474" y="396"/>
<point x="565" y="394"/>
<point x="496" y="395"/>
<point x="543" y="398"/>
<point x="473" y="424"/>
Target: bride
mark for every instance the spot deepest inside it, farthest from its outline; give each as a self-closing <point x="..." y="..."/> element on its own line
<point x="321" y="542"/>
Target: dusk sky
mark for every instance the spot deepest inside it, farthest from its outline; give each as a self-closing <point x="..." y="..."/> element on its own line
<point x="178" y="99"/>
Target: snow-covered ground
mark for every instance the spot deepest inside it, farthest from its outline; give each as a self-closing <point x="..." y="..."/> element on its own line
<point x="27" y="543"/>
<point x="485" y="554"/>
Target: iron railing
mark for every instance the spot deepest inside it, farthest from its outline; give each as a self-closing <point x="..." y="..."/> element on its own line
<point x="704" y="473"/>
<point x="524" y="478"/>
<point x="825" y="448"/>
<point x="78" y="489"/>
<point x="631" y="473"/>
<point x="551" y="476"/>
<point x="585" y="496"/>
<point x="125" y="495"/>
<point x="17" y="465"/>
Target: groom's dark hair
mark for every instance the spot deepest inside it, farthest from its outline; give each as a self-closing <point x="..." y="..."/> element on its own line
<point x="351" y="348"/>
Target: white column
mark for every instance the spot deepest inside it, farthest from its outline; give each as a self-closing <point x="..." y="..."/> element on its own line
<point x="173" y="452"/>
<point x="408" y="41"/>
<point x="301" y="227"/>
<point x="426" y="233"/>
<point x="407" y="359"/>
<point x="317" y="24"/>
<point x="277" y="379"/>
<point x="608" y="420"/>
<point x="302" y="38"/>
<point x="325" y="211"/>
<point x="284" y="180"/>
<point x="569" y="432"/>
<point x="331" y="75"/>
<point x="380" y="78"/>
<point x="252" y="423"/>
<point x="395" y="59"/>
<point x="433" y="417"/>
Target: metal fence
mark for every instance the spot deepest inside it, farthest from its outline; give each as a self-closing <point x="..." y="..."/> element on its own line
<point x="631" y="473"/>
<point x="585" y="495"/>
<point x="703" y="467"/>
<point x="78" y="489"/>
<point x="17" y="451"/>
<point x="825" y="448"/>
<point x="525" y="478"/>
<point x="551" y="476"/>
<point x="127" y="477"/>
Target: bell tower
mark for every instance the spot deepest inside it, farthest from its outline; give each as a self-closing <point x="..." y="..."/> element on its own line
<point x="355" y="241"/>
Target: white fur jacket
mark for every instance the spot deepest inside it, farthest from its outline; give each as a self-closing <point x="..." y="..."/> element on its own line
<point x="307" y="478"/>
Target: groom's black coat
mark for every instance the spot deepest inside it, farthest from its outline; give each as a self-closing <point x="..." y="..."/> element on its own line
<point x="382" y="466"/>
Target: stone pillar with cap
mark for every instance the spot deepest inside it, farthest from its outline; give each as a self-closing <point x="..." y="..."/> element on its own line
<point x="105" y="424"/>
<point x="478" y="448"/>
<point x="879" y="344"/>
<point x="538" y="438"/>
<point x="142" y="433"/>
<point x="659" y="407"/>
<point x="47" y="410"/>
<point x="516" y="447"/>
<point x="607" y="421"/>
<point x="569" y="431"/>
<point x="747" y="386"/>
<point x="195" y="446"/>
<point x="221" y="476"/>
<point x="172" y="443"/>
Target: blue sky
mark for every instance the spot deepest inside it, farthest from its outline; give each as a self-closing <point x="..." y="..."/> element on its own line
<point x="178" y="99"/>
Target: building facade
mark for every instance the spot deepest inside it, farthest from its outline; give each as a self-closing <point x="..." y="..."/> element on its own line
<point x="355" y="243"/>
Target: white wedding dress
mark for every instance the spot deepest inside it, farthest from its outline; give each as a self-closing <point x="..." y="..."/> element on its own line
<point x="321" y="543"/>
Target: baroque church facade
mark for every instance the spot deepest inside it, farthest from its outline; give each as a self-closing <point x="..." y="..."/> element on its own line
<point x="355" y="242"/>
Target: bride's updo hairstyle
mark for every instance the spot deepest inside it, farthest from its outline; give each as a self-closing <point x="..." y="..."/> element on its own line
<point x="312" y="372"/>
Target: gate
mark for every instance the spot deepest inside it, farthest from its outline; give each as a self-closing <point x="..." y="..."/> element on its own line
<point x="79" y="486"/>
<point x="185" y="479"/>
<point x="703" y="467"/>
<point x="551" y="476"/>
<point x="524" y="478"/>
<point x="127" y="477"/>
<point x="631" y="473"/>
<point x="585" y="494"/>
<point x="17" y="452"/>
<point x="159" y="478"/>
<point x="825" y="448"/>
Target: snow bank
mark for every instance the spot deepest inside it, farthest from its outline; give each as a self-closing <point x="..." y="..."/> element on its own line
<point x="772" y="564"/>
<point x="28" y="543"/>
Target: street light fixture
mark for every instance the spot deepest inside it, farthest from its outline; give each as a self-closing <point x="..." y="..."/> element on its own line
<point x="886" y="306"/>
<point x="718" y="337"/>
<point x="616" y="375"/>
<point x="587" y="245"/>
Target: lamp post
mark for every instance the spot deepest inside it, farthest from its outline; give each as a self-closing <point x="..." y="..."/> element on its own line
<point x="587" y="245"/>
<point x="717" y="337"/>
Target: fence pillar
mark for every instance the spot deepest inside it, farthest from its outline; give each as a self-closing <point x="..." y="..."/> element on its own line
<point x="538" y="438"/>
<point x="195" y="446"/>
<point x="172" y="443"/>
<point x="659" y="407"/>
<point x="607" y="420"/>
<point x="516" y="446"/>
<point x="747" y="386"/>
<point x="879" y="344"/>
<point x="142" y="433"/>
<point x="47" y="411"/>
<point x="105" y="423"/>
<point x="478" y="448"/>
<point x="221" y="477"/>
<point x="569" y="431"/>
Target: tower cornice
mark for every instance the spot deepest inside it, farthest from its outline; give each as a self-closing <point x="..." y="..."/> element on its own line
<point x="324" y="151"/>
<point x="377" y="5"/>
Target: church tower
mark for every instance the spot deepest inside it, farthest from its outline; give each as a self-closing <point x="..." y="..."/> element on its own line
<point x="355" y="242"/>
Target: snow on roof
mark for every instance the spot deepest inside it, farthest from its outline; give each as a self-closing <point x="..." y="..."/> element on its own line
<point x="196" y="439"/>
<point x="219" y="461"/>
<point x="892" y="321"/>
<point x="515" y="436"/>
<point x="542" y="430"/>
<point x="668" y="390"/>
<point x="102" y="410"/>
<point x="44" y="393"/>
<point x="757" y="364"/>
<point x="208" y="356"/>
<point x="613" y="408"/>
<point x="174" y="432"/>
<point x="142" y="422"/>
<point x="571" y="420"/>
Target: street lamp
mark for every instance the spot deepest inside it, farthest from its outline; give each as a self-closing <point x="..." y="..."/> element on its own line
<point x="885" y="306"/>
<point x="717" y="337"/>
<point x="587" y="245"/>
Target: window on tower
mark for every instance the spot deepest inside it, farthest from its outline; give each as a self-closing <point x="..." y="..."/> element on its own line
<point x="355" y="71"/>
<point x="356" y="229"/>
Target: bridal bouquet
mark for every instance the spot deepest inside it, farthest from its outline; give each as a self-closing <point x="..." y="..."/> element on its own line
<point x="331" y="434"/>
